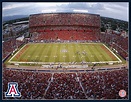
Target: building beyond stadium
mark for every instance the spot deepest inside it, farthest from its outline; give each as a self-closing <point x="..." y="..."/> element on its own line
<point x="65" y="26"/>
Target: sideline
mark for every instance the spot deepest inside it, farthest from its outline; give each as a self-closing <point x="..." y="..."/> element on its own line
<point x="16" y="53"/>
<point x="112" y="53"/>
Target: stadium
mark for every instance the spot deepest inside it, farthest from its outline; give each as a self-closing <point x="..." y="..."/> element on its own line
<point x="66" y="56"/>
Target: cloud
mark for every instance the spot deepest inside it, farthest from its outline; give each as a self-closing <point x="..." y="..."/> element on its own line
<point x="119" y="10"/>
<point x="116" y="10"/>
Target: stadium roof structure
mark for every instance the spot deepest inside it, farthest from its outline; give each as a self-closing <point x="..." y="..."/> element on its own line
<point x="21" y="22"/>
<point x="20" y="38"/>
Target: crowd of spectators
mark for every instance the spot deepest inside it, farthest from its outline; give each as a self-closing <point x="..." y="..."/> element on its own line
<point x="67" y="26"/>
<point x="89" y="85"/>
<point x="65" y="35"/>
<point x="61" y="28"/>
<point x="64" y="19"/>
<point x="117" y="42"/>
<point x="9" y="46"/>
<point x="65" y="86"/>
<point x="32" y="85"/>
<point x="85" y="85"/>
<point x="105" y="85"/>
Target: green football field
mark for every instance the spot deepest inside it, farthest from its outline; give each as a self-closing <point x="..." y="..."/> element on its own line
<point x="64" y="52"/>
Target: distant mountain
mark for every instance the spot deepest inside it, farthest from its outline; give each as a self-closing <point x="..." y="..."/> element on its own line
<point x="7" y="18"/>
<point x="115" y="19"/>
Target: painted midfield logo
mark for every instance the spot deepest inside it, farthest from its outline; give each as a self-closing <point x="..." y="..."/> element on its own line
<point x="12" y="90"/>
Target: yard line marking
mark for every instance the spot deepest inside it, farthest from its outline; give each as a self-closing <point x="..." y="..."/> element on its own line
<point x="119" y="60"/>
<point x="47" y="52"/>
<point x="55" y="53"/>
<point x="43" y="48"/>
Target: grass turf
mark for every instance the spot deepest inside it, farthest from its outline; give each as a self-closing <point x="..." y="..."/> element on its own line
<point x="64" y="52"/>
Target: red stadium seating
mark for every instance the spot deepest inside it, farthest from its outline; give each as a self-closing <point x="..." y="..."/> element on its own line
<point x="37" y="84"/>
<point x="117" y="42"/>
<point x="9" y="46"/>
<point x="91" y="85"/>
<point x="65" y="26"/>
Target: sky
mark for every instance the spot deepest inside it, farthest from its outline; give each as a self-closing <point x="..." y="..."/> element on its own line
<point x="117" y="10"/>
